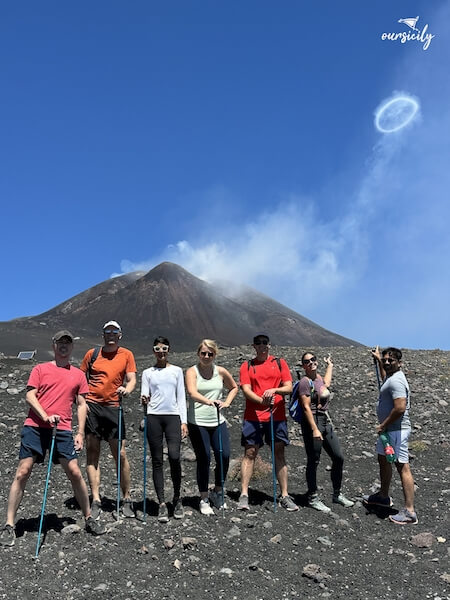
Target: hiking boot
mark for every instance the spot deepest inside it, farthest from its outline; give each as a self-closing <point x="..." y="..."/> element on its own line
<point x="314" y="502"/>
<point x="205" y="507"/>
<point x="342" y="500"/>
<point x="404" y="517"/>
<point x="127" y="509"/>
<point x="243" y="502"/>
<point x="7" y="536"/>
<point x="216" y="499"/>
<point x="94" y="527"/>
<point x="163" y="513"/>
<point x="178" y="510"/>
<point x="378" y="500"/>
<point x="96" y="509"/>
<point x="287" y="503"/>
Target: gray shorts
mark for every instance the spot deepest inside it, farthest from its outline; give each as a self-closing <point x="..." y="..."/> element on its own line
<point x="399" y="441"/>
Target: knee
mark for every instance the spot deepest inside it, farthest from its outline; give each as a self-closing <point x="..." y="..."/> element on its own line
<point x="92" y="454"/>
<point x="251" y="452"/>
<point x="157" y="462"/>
<point x="403" y="469"/>
<point x="73" y="472"/>
<point x="279" y="450"/>
<point x="23" y="472"/>
<point x="338" y="460"/>
<point x="203" y="461"/>
<point x="226" y="454"/>
<point x="174" y="455"/>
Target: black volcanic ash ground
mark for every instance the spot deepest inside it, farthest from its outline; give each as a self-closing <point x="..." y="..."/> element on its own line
<point x="255" y="555"/>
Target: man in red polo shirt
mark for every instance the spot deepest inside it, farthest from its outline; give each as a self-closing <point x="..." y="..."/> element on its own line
<point x="265" y="380"/>
<point x="52" y="389"/>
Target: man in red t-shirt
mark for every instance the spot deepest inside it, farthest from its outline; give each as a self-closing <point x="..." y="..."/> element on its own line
<point x="265" y="380"/>
<point x="111" y="376"/>
<point x="52" y="388"/>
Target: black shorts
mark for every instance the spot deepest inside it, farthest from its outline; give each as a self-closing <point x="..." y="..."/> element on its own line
<point x="36" y="442"/>
<point x="103" y="422"/>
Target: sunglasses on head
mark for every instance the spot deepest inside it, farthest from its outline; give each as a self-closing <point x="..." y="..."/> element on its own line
<point x="109" y="331"/>
<point x="306" y="361"/>
<point x="208" y="354"/>
<point x="261" y="343"/>
<point x="161" y="348"/>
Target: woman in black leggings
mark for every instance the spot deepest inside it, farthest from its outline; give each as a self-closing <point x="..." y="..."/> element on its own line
<point x="318" y="432"/>
<point x="162" y="391"/>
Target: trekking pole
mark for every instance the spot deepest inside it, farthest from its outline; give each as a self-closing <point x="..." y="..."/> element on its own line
<point x="47" y="481"/>
<point x="119" y="448"/>
<point x="144" y="502"/>
<point x="375" y="362"/>
<point x="222" y="483"/>
<point x="274" y="477"/>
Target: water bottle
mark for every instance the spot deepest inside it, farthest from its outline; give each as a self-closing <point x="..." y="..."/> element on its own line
<point x="388" y="449"/>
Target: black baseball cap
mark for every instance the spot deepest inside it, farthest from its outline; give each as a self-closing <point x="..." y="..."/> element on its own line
<point x="261" y="337"/>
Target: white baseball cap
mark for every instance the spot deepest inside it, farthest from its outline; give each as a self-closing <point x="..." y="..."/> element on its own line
<point x="114" y="324"/>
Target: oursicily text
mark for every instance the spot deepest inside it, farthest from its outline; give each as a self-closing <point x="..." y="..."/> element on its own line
<point x="405" y="36"/>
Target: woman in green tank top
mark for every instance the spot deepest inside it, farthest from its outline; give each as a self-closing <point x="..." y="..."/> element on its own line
<point x="205" y="382"/>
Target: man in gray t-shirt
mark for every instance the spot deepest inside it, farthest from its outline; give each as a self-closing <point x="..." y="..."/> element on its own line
<point x="394" y="386"/>
<point x="393" y="419"/>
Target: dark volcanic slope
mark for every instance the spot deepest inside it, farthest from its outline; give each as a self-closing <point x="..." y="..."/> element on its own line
<point x="30" y="333"/>
<point x="167" y="301"/>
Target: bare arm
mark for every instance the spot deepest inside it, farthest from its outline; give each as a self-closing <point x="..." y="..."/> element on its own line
<point x="33" y="402"/>
<point x="377" y="360"/>
<point x="306" y="405"/>
<point x="397" y="411"/>
<point x="266" y="398"/>
<point x="126" y="390"/>
<point x="328" y="372"/>
<point x="283" y="390"/>
<point x="81" y="416"/>
<point x="250" y="395"/>
<point x="230" y="385"/>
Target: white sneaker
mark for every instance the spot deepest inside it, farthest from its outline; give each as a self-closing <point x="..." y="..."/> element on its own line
<point x="205" y="507"/>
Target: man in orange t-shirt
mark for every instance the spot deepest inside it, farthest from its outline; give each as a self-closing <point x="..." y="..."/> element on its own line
<point x="111" y="376"/>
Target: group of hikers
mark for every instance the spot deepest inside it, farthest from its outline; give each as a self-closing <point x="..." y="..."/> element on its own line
<point x="107" y="375"/>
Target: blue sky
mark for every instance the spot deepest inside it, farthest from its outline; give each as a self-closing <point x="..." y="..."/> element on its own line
<point x="236" y="139"/>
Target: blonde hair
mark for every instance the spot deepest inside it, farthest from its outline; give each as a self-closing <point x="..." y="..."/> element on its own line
<point x="210" y="344"/>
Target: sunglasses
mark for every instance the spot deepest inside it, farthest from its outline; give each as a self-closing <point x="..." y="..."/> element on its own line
<point x="208" y="354"/>
<point x="261" y="343"/>
<point x="388" y="360"/>
<point x="110" y="331"/>
<point x="160" y="348"/>
<point x="306" y="361"/>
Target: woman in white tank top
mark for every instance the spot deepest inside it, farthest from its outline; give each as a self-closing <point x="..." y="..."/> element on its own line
<point x="207" y="427"/>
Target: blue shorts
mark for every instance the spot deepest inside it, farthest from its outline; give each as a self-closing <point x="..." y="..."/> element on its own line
<point x="399" y="441"/>
<point x="254" y="433"/>
<point x="36" y="441"/>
